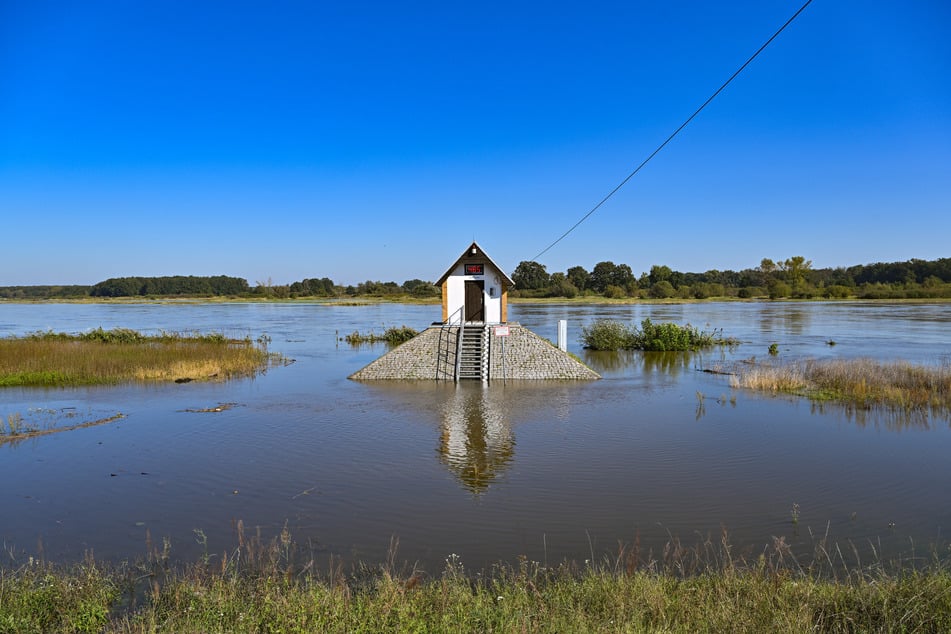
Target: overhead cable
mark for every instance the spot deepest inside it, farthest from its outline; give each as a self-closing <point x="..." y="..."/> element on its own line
<point x="676" y="132"/>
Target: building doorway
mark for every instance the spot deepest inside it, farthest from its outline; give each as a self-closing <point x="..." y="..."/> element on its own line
<point x="475" y="300"/>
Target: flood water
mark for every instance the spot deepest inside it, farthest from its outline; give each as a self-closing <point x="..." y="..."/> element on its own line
<point x="548" y="470"/>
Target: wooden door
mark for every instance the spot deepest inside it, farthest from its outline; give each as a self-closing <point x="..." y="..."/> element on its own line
<point x="475" y="301"/>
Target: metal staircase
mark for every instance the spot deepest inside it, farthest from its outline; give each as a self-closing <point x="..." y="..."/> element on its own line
<point x="463" y="349"/>
<point x="473" y="356"/>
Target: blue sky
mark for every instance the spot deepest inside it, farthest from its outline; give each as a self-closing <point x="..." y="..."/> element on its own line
<point x="373" y="140"/>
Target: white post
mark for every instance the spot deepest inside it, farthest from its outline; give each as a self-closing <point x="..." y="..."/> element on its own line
<point x="563" y="335"/>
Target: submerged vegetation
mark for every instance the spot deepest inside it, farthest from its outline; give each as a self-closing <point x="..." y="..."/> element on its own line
<point x="393" y="335"/>
<point x="864" y="383"/>
<point x="40" y="422"/>
<point x="608" y="334"/>
<point x="263" y="586"/>
<point x="121" y="355"/>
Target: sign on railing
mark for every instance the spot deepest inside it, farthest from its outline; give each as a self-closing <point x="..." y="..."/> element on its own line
<point x="501" y="331"/>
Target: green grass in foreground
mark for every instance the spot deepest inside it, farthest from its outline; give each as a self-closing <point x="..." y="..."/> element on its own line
<point x="259" y="588"/>
<point x="864" y="383"/>
<point x="51" y="359"/>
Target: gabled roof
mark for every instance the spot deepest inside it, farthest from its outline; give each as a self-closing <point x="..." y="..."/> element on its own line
<point x="479" y="255"/>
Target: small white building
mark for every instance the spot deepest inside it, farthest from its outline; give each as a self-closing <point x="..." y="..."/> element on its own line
<point x="475" y="290"/>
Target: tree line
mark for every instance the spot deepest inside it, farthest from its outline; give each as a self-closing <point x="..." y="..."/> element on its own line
<point x="216" y="286"/>
<point x="792" y="277"/>
<point x="186" y="285"/>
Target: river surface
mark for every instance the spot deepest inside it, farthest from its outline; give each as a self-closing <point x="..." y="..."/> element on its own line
<point x="655" y="450"/>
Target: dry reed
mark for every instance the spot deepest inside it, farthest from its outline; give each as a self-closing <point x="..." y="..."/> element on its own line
<point x="863" y="382"/>
<point x="55" y="360"/>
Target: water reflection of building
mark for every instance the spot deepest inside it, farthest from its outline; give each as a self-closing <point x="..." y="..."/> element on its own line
<point x="476" y="442"/>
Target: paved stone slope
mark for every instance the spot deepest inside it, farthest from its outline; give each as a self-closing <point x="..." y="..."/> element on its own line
<point x="521" y="355"/>
<point x="525" y="355"/>
<point x="414" y="359"/>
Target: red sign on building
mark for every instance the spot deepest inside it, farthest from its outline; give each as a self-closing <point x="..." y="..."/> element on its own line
<point x="475" y="269"/>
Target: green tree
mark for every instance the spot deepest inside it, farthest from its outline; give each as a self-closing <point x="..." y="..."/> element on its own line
<point x="779" y="289"/>
<point x="579" y="277"/>
<point x="767" y="271"/>
<point x="530" y="275"/>
<point x="610" y="274"/>
<point x="601" y="276"/>
<point x="561" y="287"/>
<point x="118" y="287"/>
<point x="623" y="276"/>
<point x="411" y="285"/>
<point x="662" y="290"/>
<point x="313" y="287"/>
<point x="659" y="273"/>
<point x="796" y="268"/>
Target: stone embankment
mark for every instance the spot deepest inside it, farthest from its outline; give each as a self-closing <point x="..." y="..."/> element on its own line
<point x="522" y="355"/>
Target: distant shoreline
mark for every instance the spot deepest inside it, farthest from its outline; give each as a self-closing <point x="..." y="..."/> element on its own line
<point x="435" y="301"/>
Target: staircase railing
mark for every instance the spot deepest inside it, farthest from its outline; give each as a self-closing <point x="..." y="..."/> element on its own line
<point x="459" y="338"/>
<point x="448" y="350"/>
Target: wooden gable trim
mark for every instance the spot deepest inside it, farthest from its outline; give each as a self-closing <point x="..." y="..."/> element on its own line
<point x="481" y="256"/>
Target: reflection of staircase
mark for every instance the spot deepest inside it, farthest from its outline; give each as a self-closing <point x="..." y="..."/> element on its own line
<point x="473" y="354"/>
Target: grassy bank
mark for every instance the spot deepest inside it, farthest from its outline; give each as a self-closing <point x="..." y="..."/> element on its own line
<point x="864" y="383"/>
<point x="121" y="355"/>
<point x="255" y="589"/>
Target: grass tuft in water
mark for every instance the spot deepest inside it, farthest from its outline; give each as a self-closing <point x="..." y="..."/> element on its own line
<point x="393" y="336"/>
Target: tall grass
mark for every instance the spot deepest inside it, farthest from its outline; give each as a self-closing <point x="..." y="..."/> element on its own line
<point x="861" y="382"/>
<point x="122" y="355"/>
<point x="263" y="586"/>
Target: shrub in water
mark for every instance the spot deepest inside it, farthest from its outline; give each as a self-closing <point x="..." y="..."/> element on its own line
<point x="663" y="337"/>
<point x="606" y="334"/>
<point x="396" y="335"/>
<point x="392" y="335"/>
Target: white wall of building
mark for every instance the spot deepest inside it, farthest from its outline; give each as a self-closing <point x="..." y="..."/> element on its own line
<point x="491" y="296"/>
